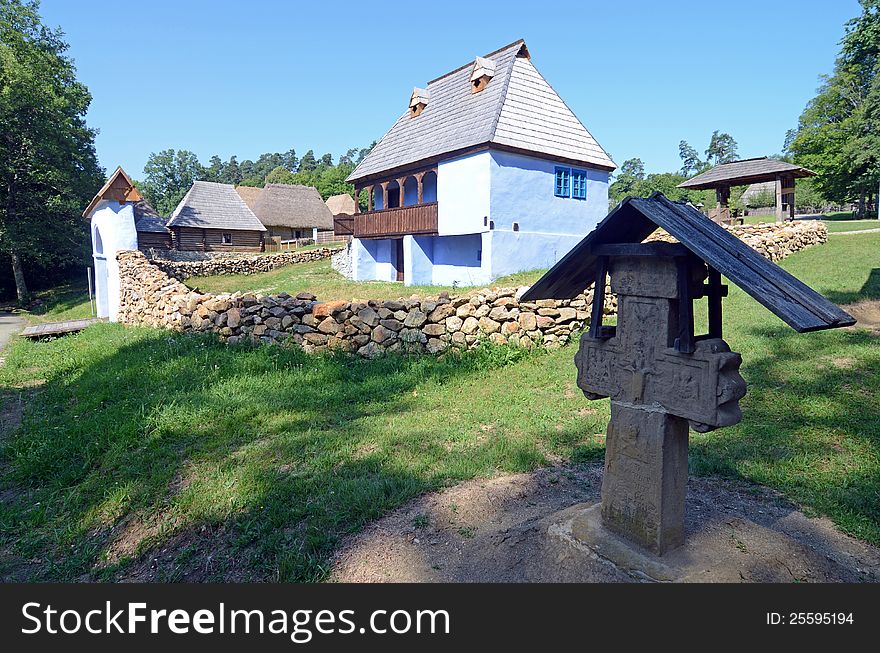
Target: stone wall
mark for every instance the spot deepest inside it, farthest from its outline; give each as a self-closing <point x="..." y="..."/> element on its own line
<point x="252" y="264"/>
<point x="369" y="327"/>
<point x="418" y="324"/>
<point x="771" y="240"/>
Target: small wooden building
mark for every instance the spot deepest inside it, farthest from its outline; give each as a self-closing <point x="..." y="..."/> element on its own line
<point x="151" y="230"/>
<point x="291" y="211"/>
<point x="746" y="172"/>
<point x="213" y="217"/>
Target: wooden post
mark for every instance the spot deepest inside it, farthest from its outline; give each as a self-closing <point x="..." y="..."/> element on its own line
<point x="401" y="183"/>
<point x="722" y="209"/>
<point x="419" y="177"/>
<point x="357" y="204"/>
<point x="778" y="198"/>
<point x="384" y="195"/>
<point x="370" y="197"/>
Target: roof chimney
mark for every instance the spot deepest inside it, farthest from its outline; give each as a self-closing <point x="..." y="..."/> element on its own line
<point x="484" y="70"/>
<point x="418" y="101"/>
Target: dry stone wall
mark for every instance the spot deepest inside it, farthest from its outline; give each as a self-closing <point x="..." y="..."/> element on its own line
<point x="150" y="296"/>
<point x="240" y="264"/>
<point x="369" y="327"/>
<point x="771" y="240"/>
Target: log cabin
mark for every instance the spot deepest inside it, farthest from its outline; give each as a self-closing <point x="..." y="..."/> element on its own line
<point x="213" y="217"/>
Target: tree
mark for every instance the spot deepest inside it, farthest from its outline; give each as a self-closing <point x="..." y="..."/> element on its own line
<point x="280" y="175"/>
<point x="289" y="160"/>
<point x="631" y="171"/>
<point x="48" y="167"/>
<point x="690" y="159"/>
<point x="837" y="131"/>
<point x="168" y="175"/>
<point x="215" y="166"/>
<point x="326" y="160"/>
<point x="231" y="173"/>
<point x="722" y="148"/>
<point x="307" y="163"/>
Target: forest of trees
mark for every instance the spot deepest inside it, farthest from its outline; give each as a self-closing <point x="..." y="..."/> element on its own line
<point x="48" y="167"/>
<point x="169" y="174"/>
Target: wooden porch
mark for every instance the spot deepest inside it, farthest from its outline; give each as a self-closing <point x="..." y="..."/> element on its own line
<point x="420" y="219"/>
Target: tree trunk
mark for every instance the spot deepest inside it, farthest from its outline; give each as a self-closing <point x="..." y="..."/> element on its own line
<point x="861" y="213"/>
<point x="21" y="290"/>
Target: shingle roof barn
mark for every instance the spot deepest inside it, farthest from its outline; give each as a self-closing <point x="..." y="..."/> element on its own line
<point x="339" y="204"/>
<point x="517" y="110"/>
<point x="249" y="194"/>
<point x="747" y="171"/>
<point x="147" y="219"/>
<point x="209" y="205"/>
<point x="293" y="206"/>
<point x="635" y="219"/>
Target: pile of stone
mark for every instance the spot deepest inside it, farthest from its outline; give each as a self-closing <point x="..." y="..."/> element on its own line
<point x="252" y="264"/>
<point x="772" y="240"/>
<point x="418" y="324"/>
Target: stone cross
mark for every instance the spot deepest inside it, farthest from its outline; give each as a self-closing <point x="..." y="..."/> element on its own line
<point x="656" y="391"/>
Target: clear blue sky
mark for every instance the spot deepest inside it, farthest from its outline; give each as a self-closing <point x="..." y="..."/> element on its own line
<point x="222" y="77"/>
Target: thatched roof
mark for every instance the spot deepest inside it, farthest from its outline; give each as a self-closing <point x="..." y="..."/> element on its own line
<point x="250" y="195"/>
<point x="208" y="205"/>
<point x="747" y="171"/>
<point x="758" y="189"/>
<point x="339" y="204"/>
<point x="292" y="206"/>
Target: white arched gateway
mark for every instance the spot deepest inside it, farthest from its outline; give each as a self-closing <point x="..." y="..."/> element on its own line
<point x="111" y="214"/>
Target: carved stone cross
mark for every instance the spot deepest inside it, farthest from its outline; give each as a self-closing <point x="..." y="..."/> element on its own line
<point x="659" y="379"/>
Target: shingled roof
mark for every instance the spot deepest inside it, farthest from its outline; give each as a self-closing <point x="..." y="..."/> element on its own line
<point x="293" y="206"/>
<point x="339" y="204"/>
<point x="517" y="110"/>
<point x="636" y="218"/>
<point x="209" y="205"/>
<point x="747" y="171"/>
<point x="147" y="219"/>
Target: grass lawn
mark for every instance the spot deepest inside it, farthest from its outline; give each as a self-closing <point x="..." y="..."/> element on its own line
<point x="320" y="279"/>
<point x="250" y="463"/>
<point x="70" y="302"/>
<point x="838" y="226"/>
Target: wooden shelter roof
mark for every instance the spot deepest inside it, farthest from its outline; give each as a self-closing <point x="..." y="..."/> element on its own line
<point x="747" y="171"/>
<point x="798" y="305"/>
<point x="119" y="187"/>
<point x="293" y="206"/>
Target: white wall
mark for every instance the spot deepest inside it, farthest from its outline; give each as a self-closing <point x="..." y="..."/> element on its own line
<point x="115" y="224"/>
<point x="463" y="190"/>
<point x="372" y="260"/>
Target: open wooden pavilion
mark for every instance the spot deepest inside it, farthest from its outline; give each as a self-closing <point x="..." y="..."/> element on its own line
<point x="746" y="172"/>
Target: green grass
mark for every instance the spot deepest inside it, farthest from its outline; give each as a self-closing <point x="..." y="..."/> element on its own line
<point x="69" y="302"/>
<point x="319" y="278"/>
<point x="851" y="225"/>
<point x="249" y="463"/>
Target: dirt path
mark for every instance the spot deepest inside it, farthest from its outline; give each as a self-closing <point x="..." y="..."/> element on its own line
<point x="9" y="324"/>
<point x="513" y="529"/>
<point x="866" y="312"/>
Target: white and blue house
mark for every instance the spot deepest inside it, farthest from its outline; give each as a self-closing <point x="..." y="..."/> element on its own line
<point x="487" y="173"/>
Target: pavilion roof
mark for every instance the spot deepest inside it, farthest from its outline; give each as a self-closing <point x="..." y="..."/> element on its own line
<point x="747" y="171"/>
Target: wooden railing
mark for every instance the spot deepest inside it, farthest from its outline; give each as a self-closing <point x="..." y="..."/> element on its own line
<point x="419" y="219"/>
<point x="343" y="224"/>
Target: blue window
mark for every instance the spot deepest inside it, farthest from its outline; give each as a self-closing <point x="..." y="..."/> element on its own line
<point x="579" y="184"/>
<point x="563" y="182"/>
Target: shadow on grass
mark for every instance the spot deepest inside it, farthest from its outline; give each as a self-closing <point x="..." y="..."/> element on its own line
<point x="870" y="290"/>
<point x="811" y="425"/>
<point x="239" y="463"/>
